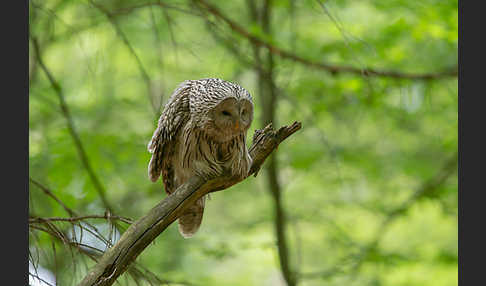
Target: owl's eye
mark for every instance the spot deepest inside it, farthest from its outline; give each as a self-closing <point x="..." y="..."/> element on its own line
<point x="226" y="113"/>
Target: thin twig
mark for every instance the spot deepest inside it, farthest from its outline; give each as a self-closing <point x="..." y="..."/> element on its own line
<point x="50" y="194"/>
<point x="94" y="254"/>
<point x="40" y="279"/>
<point x="334" y="69"/>
<point x="72" y="219"/>
<point x="141" y="68"/>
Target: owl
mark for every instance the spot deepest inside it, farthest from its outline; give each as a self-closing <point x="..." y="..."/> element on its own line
<point x="202" y="131"/>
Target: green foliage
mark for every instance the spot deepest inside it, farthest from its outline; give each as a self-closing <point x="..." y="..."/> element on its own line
<point x="366" y="146"/>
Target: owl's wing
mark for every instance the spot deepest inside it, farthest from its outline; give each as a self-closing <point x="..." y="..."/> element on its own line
<point x="175" y="114"/>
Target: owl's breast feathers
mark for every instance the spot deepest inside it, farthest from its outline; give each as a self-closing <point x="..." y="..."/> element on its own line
<point x="208" y="158"/>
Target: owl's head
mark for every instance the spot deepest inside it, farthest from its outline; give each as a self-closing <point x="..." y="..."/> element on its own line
<point x="229" y="118"/>
<point x="222" y="109"/>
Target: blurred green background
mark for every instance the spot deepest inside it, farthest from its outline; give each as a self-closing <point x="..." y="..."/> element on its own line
<point x="368" y="187"/>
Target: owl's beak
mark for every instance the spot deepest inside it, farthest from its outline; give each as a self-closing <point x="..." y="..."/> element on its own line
<point x="237" y="125"/>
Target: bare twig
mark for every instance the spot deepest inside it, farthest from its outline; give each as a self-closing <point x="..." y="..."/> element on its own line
<point x="94" y="254"/>
<point x="150" y="277"/>
<point x="231" y="45"/>
<point x="40" y="279"/>
<point x="334" y="69"/>
<point x="50" y="194"/>
<point x="73" y="219"/>
<point x="106" y="216"/>
<point x="72" y="130"/>
<point x="142" y="232"/>
<point x="141" y="68"/>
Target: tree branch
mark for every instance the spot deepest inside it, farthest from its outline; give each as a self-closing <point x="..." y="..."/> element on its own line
<point x="135" y="270"/>
<point x="74" y="217"/>
<point x="334" y="69"/>
<point x="141" y="68"/>
<point x="106" y="216"/>
<point x="72" y="130"/>
<point x="141" y="233"/>
<point x="50" y="194"/>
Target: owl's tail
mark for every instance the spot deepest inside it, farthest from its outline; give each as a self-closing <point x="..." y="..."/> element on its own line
<point x="191" y="219"/>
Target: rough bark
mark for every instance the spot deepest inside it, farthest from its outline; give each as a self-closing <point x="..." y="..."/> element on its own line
<point x="140" y="234"/>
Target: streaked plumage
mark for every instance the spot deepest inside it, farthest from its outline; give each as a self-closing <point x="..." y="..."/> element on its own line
<point x="202" y="131"/>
